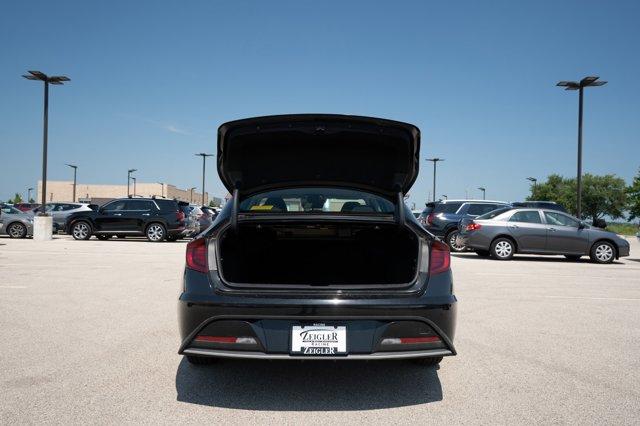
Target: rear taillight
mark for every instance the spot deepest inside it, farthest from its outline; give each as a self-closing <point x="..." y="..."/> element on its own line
<point x="197" y="255"/>
<point x="473" y="226"/>
<point x="430" y="218"/>
<point x="440" y="259"/>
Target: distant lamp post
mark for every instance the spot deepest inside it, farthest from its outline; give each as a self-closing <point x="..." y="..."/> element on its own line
<point x="29" y="194"/>
<point x="191" y="194"/>
<point x="162" y="186"/>
<point x="445" y="196"/>
<point x="57" y="80"/>
<point x="129" y="178"/>
<point x="484" y="191"/>
<point x="75" y="169"/>
<point x="534" y="181"/>
<point x="204" y="160"/>
<point x="434" y="161"/>
<point x="134" y="185"/>
<point x="580" y="85"/>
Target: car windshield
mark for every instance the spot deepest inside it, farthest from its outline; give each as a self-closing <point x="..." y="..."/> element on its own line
<point x="317" y="200"/>
<point x="10" y="210"/>
<point x="494" y="213"/>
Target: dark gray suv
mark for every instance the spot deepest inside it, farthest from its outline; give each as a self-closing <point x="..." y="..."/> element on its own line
<point x="445" y="216"/>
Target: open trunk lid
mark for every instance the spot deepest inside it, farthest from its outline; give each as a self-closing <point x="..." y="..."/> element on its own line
<point x="373" y="154"/>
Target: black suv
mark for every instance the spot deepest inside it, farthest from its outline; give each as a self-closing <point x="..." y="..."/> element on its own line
<point x="316" y="255"/>
<point x="157" y="219"/>
<point x="443" y="217"/>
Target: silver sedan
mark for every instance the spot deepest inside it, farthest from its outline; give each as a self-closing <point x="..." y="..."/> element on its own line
<point x="505" y="232"/>
<point x="14" y="222"/>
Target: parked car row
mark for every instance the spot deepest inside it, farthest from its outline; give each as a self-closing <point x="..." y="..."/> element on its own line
<point x="15" y="223"/>
<point x="157" y="219"/>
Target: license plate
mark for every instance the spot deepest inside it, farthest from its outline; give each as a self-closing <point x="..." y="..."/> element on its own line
<point x="319" y="340"/>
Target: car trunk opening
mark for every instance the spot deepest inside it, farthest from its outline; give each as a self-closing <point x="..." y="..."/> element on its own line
<point x="332" y="254"/>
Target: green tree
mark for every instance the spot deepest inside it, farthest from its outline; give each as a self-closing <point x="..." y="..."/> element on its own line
<point x="601" y="195"/>
<point x="17" y="198"/>
<point x="633" y="197"/>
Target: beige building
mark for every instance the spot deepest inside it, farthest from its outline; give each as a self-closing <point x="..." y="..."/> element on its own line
<point x="60" y="191"/>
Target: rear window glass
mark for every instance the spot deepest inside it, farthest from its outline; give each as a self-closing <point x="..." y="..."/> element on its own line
<point x="447" y="207"/>
<point x="316" y="200"/>
<point x="494" y="213"/>
<point x="478" y="209"/>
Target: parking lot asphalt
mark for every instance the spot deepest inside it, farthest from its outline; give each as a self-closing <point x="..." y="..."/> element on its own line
<point x="89" y="335"/>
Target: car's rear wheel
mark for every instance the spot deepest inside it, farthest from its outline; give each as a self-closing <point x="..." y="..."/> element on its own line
<point x="572" y="257"/>
<point x="155" y="232"/>
<point x="603" y="252"/>
<point x="502" y="249"/>
<point x="81" y="230"/>
<point x="200" y="360"/>
<point x="17" y="230"/>
<point x="433" y="360"/>
<point x="103" y="237"/>
<point x="451" y="240"/>
<point x="483" y="253"/>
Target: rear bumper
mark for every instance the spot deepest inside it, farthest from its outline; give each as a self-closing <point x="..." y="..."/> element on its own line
<point x="269" y="319"/>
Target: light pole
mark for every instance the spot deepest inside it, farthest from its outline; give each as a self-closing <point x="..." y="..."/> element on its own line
<point x="483" y="192"/>
<point x="204" y="160"/>
<point x="580" y="85"/>
<point x="129" y="178"/>
<point x="57" y="80"/>
<point x="435" y="161"/>
<point x="162" y="186"/>
<point x="134" y="185"/>
<point x="534" y="181"/>
<point x="445" y="196"/>
<point x="75" y="169"/>
<point x="29" y="194"/>
<point x="191" y="195"/>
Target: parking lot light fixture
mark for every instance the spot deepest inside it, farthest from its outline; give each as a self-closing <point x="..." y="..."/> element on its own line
<point x="591" y="81"/>
<point x="57" y="80"/>
<point x="534" y="181"/>
<point x="484" y="192"/>
<point x="75" y="169"/>
<point x="445" y="196"/>
<point x="435" y="161"/>
<point x="29" y="194"/>
<point x="129" y="178"/>
<point x="204" y="160"/>
<point x="134" y="185"/>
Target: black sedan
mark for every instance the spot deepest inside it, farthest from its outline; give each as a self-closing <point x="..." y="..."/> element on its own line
<point x="316" y="255"/>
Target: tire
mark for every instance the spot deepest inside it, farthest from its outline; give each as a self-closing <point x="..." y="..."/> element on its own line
<point x="17" y="230"/>
<point x="81" y="230"/>
<point x="502" y="248"/>
<point x="200" y="360"/>
<point x="483" y="253"/>
<point x="172" y="238"/>
<point x="155" y="232"/>
<point x="573" y="257"/>
<point x="103" y="237"/>
<point x="450" y="239"/>
<point x="435" y="360"/>
<point x="603" y="252"/>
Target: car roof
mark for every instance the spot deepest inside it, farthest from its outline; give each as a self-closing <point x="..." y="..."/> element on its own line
<point x="472" y="201"/>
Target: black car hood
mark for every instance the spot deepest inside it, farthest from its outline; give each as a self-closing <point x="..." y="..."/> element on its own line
<point x="374" y="154"/>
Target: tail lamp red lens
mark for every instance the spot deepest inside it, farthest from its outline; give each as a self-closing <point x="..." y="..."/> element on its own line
<point x="410" y="340"/>
<point x="242" y="340"/>
<point x="197" y="255"/>
<point x="440" y="259"/>
<point x="430" y="218"/>
<point x="473" y="226"/>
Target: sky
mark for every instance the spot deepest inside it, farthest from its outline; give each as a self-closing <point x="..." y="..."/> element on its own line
<point x="152" y="81"/>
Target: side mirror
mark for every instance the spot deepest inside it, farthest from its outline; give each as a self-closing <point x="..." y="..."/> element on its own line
<point x="581" y="225"/>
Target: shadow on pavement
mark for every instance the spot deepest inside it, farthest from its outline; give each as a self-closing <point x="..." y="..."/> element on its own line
<point x="529" y="258"/>
<point x="307" y="385"/>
